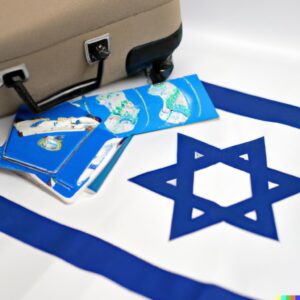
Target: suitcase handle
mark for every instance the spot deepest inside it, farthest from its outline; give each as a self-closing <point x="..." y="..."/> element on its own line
<point x="15" y="78"/>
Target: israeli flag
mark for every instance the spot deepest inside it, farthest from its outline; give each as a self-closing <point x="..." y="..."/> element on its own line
<point x="206" y="211"/>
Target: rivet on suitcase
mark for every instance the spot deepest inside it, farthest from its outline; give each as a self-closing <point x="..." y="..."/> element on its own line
<point x="67" y="48"/>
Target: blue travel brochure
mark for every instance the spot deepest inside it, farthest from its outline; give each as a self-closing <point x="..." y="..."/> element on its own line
<point x="76" y="144"/>
<point x="97" y="183"/>
<point x="152" y="107"/>
<point x="60" y="148"/>
<point x="45" y="135"/>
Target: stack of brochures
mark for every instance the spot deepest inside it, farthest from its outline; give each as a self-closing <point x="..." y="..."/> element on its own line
<point x="71" y="148"/>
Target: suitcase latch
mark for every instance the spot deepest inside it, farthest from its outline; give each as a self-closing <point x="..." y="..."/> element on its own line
<point x="96" y="50"/>
<point x="19" y="72"/>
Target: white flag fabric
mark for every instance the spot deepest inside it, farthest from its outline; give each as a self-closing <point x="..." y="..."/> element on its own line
<point x="206" y="211"/>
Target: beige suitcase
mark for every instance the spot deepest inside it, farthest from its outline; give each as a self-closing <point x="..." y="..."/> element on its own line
<point x="52" y="51"/>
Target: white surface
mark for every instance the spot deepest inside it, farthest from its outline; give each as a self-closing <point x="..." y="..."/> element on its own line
<point x="230" y="185"/>
<point x="251" y="46"/>
<point x="138" y="220"/>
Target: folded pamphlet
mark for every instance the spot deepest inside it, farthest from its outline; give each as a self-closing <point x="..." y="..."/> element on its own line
<point x="72" y="148"/>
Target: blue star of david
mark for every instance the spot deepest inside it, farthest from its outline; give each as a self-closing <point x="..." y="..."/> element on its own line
<point x="185" y="201"/>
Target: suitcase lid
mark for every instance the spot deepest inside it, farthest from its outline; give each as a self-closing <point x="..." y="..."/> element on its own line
<point x="31" y="25"/>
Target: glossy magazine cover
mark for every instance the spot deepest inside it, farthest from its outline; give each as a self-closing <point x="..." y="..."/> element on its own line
<point x="65" y="148"/>
<point x="152" y="107"/>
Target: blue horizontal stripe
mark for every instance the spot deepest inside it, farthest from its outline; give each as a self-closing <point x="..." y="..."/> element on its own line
<point x="253" y="107"/>
<point x="95" y="255"/>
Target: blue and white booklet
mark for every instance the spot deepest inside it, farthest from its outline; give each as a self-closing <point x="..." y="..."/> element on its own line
<point x="73" y="147"/>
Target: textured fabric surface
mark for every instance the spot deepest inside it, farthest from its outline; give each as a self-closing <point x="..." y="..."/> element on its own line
<point x="64" y="63"/>
<point x="28" y="26"/>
